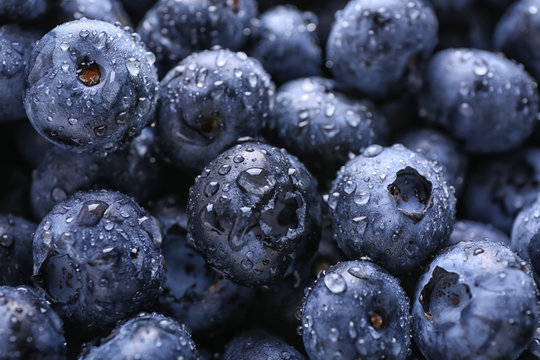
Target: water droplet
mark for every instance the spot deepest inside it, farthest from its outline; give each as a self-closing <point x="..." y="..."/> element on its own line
<point x="211" y="188"/>
<point x="133" y="66"/>
<point x="357" y="272"/>
<point x="352" y="118"/>
<point x="480" y="67"/>
<point x="221" y="59"/>
<point x="361" y="197"/>
<point x="478" y="251"/>
<point x="335" y="283"/>
<point x="333" y="335"/>
<point x="372" y="150"/>
<point x="256" y="181"/>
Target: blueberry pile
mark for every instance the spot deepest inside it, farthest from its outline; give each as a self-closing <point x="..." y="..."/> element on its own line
<point x="269" y="179"/>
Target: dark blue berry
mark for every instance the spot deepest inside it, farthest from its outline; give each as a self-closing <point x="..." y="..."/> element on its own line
<point x="194" y="293"/>
<point x="30" y="328"/>
<point x="374" y="46"/>
<point x="479" y="288"/>
<point x="286" y="44"/>
<point x="259" y="345"/>
<point x="500" y="186"/>
<point x="207" y="102"/>
<point x="16" y="45"/>
<point x="173" y="29"/>
<point x="322" y="126"/>
<point x="356" y="310"/>
<point x="90" y="86"/>
<point x="254" y="214"/>
<point x="22" y="10"/>
<point x="441" y="149"/>
<point x="16" y="261"/>
<point x="97" y="257"/>
<point x="392" y="205"/>
<point x="526" y="236"/>
<point x="467" y="230"/>
<point x="106" y="10"/>
<point x="145" y="336"/>
<point x="61" y="173"/>
<point x="482" y="98"/>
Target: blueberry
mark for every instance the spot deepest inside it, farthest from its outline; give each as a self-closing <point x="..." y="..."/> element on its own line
<point x="207" y="102"/>
<point x="479" y="288"/>
<point x="323" y="126"/>
<point x="90" y="86"/>
<point x="194" y="293"/>
<point x="30" y="328"/>
<point x="61" y="173"/>
<point x="517" y="32"/>
<point x="16" y="236"/>
<point x="390" y="204"/>
<point x="254" y="214"/>
<point x="286" y="43"/>
<point x="480" y="97"/>
<point x="526" y="236"/>
<point x="467" y="230"/>
<point x="106" y="10"/>
<point x="97" y="257"/>
<point x="356" y="310"/>
<point x="257" y="344"/>
<point x="145" y="336"/>
<point x="500" y="186"/>
<point x="16" y="45"/>
<point x="374" y="45"/>
<point x="22" y="10"/>
<point x="442" y="149"/>
<point x="173" y="29"/>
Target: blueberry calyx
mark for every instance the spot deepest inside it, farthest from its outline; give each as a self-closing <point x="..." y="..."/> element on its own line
<point x="412" y="193"/>
<point x="88" y="72"/>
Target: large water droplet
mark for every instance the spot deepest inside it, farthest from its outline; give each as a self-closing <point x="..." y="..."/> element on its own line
<point x="335" y="283"/>
<point x="256" y="181"/>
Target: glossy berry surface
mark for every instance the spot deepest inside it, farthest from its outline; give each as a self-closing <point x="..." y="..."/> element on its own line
<point x="146" y="336"/>
<point x="475" y="287"/>
<point x="90" y="86"/>
<point x="356" y="310"/>
<point x="16" y="236"/>
<point x="259" y="345"/>
<point x="207" y="102"/>
<point x="30" y="328"/>
<point x="97" y="257"/>
<point x="323" y="126"/>
<point x="173" y="29"/>
<point x="374" y="45"/>
<point x="481" y="98"/>
<point x="391" y="204"/>
<point x="286" y="43"/>
<point x="254" y="213"/>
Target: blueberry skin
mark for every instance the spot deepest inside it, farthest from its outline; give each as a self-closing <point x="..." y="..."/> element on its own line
<point x="30" y="328"/>
<point x="61" y="173"/>
<point x="479" y="288"/>
<point x="526" y="236"/>
<point x="97" y="257"/>
<point x="323" y="126"/>
<point x="21" y="10"/>
<point x="257" y="344"/>
<point x="372" y="43"/>
<point x="357" y="310"/>
<point x="500" y="186"/>
<point x="481" y="98"/>
<point x="106" y="10"/>
<point x="286" y="43"/>
<point x="467" y="230"/>
<point x="16" y="261"/>
<point x="145" y="337"/>
<point x="517" y="32"/>
<point x="90" y="86"/>
<point x="442" y="149"/>
<point x="207" y="102"/>
<point x="254" y="213"/>
<point x="16" y="45"/>
<point x="173" y="29"/>
<point x="194" y="293"/>
<point x="390" y="204"/>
